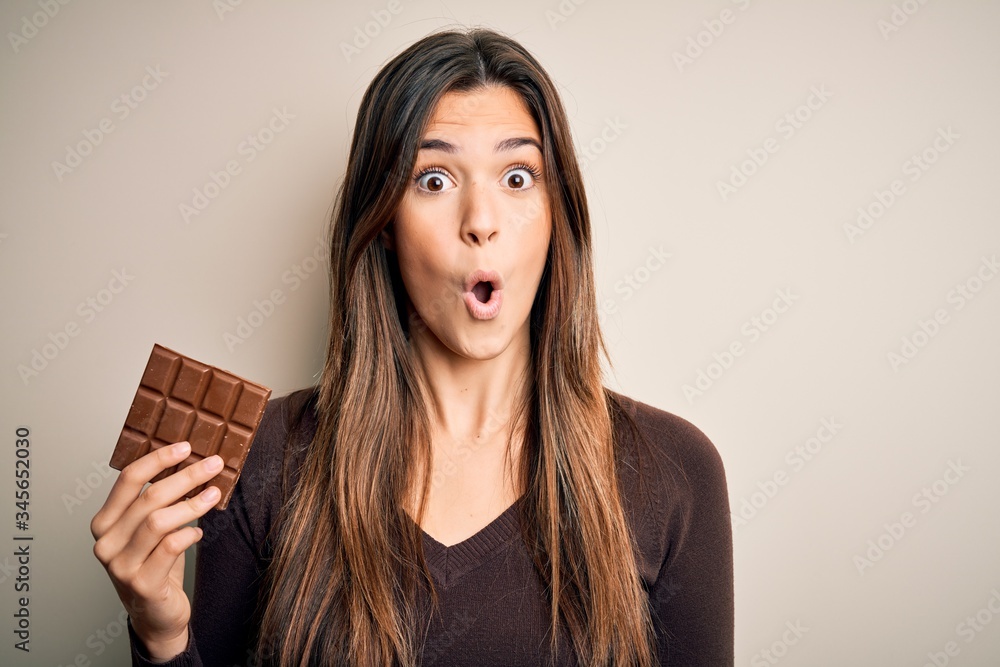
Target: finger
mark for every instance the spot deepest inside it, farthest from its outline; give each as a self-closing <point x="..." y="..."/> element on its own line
<point x="159" y="564"/>
<point x="163" y="524"/>
<point x="130" y="481"/>
<point x="158" y="495"/>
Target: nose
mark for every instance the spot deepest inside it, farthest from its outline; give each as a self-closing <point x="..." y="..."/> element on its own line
<point x="480" y="215"/>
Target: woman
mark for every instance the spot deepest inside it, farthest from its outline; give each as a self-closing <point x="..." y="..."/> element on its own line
<point x="460" y="481"/>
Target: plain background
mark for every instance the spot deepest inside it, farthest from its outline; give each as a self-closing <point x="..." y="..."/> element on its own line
<point x="658" y="134"/>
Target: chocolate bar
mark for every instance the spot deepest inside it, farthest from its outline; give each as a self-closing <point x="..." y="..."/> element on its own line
<point x="182" y="399"/>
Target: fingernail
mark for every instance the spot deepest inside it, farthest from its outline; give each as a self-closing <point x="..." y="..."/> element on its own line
<point x="211" y="494"/>
<point x="214" y="462"/>
<point x="182" y="447"/>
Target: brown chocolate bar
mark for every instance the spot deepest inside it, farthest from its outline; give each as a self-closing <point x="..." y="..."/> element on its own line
<point x="183" y="399"/>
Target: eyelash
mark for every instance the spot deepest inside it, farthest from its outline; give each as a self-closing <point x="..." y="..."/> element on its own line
<point x="536" y="175"/>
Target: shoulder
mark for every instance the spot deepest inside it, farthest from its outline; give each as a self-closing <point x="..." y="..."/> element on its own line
<point x="285" y="431"/>
<point x="672" y="477"/>
<point x="681" y="448"/>
<point x="284" y="416"/>
<point x="287" y="420"/>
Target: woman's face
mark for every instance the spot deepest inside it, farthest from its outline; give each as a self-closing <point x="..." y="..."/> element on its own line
<point x="477" y="202"/>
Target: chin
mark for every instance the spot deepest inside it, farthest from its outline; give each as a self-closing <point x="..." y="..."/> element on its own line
<point x="481" y="348"/>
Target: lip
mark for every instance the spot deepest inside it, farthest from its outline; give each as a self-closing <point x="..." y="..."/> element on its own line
<point x="478" y="309"/>
<point x="483" y="275"/>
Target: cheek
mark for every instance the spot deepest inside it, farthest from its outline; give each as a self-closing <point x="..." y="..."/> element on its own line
<point x="422" y="262"/>
<point x="529" y="219"/>
<point x="535" y="234"/>
<point x="420" y="228"/>
<point x="414" y="265"/>
<point x="532" y="242"/>
<point x="410" y="237"/>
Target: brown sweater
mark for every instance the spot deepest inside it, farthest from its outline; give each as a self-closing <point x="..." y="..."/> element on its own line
<point x="493" y="604"/>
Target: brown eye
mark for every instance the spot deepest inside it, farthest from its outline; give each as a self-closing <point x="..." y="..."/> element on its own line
<point x="431" y="180"/>
<point x="523" y="177"/>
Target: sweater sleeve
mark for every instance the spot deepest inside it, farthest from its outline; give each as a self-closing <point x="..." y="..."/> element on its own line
<point x="140" y="656"/>
<point x="692" y="597"/>
<point x="229" y="566"/>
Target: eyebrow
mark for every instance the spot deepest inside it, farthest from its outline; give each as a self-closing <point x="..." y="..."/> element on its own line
<point x="502" y="146"/>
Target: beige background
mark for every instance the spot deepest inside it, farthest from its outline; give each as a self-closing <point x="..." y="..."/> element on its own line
<point x="661" y="134"/>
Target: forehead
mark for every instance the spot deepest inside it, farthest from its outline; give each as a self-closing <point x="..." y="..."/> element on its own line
<point x="493" y="110"/>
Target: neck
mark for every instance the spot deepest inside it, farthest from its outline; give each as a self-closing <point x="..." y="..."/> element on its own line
<point x="470" y="397"/>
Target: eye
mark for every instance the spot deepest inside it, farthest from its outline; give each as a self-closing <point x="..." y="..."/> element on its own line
<point x="516" y="181"/>
<point x="433" y="179"/>
<point x="436" y="182"/>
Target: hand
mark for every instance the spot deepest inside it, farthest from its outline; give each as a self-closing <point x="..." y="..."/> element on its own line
<point x="141" y="538"/>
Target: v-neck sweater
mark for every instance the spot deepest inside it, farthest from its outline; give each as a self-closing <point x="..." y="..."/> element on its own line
<point x="493" y="610"/>
<point x="449" y="563"/>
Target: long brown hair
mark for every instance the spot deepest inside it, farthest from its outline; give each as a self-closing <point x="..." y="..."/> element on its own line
<point x="349" y="560"/>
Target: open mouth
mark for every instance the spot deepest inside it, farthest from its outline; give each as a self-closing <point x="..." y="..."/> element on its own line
<point x="483" y="289"/>
<point x="483" y="294"/>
